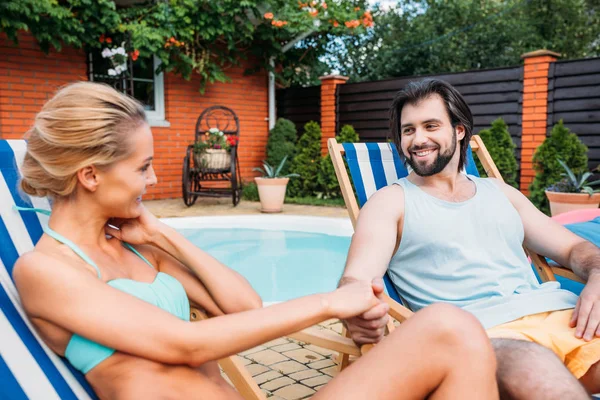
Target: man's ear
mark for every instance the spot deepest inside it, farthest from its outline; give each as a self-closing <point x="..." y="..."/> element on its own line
<point x="460" y="132"/>
<point x="88" y="178"/>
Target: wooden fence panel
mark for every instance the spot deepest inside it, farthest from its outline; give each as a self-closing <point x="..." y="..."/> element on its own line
<point x="299" y="105"/>
<point x="574" y="97"/>
<point x="491" y="94"/>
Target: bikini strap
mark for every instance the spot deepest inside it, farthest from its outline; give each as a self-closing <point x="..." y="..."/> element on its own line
<point x="130" y="247"/>
<point x="58" y="237"/>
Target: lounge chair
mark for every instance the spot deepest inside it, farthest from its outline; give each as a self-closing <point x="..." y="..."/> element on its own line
<point x="376" y="165"/>
<point x="28" y="368"/>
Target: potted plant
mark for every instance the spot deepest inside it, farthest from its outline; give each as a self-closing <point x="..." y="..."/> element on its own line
<point x="213" y="151"/>
<point x="573" y="192"/>
<point x="272" y="186"/>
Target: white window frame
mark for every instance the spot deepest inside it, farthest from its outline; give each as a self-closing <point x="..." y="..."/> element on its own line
<point x="155" y="117"/>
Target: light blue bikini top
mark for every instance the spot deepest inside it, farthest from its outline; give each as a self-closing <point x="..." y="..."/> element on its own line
<point x="165" y="292"/>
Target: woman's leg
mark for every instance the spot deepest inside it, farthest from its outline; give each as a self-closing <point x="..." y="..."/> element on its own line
<point x="441" y="352"/>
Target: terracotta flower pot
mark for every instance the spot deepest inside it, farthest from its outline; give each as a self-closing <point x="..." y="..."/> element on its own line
<point x="271" y="192"/>
<point x="564" y="202"/>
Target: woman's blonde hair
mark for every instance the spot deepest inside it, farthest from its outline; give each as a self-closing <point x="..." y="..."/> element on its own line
<point x="84" y="124"/>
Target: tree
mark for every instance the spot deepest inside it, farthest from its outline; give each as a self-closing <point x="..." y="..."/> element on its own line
<point x="282" y="143"/>
<point x="562" y="144"/>
<point x="499" y="144"/>
<point x="420" y="37"/>
<point x="193" y="36"/>
<point x="306" y="162"/>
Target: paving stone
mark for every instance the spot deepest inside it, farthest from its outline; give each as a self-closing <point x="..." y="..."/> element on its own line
<point x="331" y="371"/>
<point x="288" y="367"/>
<point x="267" y="357"/>
<point x="267" y="376"/>
<point x="321" y="364"/>
<point x="336" y="327"/>
<point x="317" y="388"/>
<point x="320" y="350"/>
<point x="285" y="347"/>
<point x="277" y="342"/>
<point x="294" y="392"/>
<point x="277" y="383"/>
<point x="252" y="350"/>
<point x="244" y="360"/>
<point x="304" y="356"/>
<point x="316" y="381"/>
<point x="307" y="373"/>
<point x="256" y="369"/>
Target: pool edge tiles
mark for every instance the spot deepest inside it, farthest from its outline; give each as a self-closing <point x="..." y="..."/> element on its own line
<point x="325" y="225"/>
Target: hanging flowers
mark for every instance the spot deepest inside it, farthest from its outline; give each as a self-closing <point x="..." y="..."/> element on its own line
<point x="117" y="57"/>
<point x="278" y="23"/>
<point x="268" y="15"/>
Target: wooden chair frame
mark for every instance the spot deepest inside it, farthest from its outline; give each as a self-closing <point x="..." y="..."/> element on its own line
<point x="397" y="311"/>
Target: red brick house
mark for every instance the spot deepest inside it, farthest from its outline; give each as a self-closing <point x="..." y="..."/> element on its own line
<point x="28" y="77"/>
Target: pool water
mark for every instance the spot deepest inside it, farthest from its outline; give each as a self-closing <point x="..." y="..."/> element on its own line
<point x="279" y="264"/>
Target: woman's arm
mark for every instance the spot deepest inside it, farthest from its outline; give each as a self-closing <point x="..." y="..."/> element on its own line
<point x="79" y="302"/>
<point x="230" y="291"/>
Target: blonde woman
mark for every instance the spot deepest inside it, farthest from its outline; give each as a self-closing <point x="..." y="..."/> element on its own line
<point x="117" y="305"/>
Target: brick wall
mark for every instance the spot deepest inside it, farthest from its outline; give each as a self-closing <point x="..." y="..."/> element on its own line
<point x="28" y="78"/>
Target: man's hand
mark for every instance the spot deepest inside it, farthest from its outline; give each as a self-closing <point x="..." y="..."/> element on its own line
<point x="369" y="327"/>
<point x="586" y="316"/>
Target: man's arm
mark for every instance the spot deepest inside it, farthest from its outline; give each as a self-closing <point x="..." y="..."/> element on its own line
<point x="372" y="247"/>
<point x="548" y="238"/>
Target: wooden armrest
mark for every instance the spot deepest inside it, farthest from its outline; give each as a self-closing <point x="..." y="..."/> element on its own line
<point x="565" y="273"/>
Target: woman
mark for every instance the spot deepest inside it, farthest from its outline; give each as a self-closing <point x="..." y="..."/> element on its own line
<point x="109" y="286"/>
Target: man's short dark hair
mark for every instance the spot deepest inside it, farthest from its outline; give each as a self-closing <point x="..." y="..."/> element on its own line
<point x="456" y="106"/>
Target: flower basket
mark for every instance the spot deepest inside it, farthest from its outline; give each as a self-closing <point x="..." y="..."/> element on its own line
<point x="213" y="159"/>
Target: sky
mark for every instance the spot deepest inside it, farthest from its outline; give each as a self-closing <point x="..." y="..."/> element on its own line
<point x="384" y="3"/>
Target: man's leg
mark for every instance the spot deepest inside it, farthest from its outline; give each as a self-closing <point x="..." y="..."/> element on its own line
<point x="530" y="371"/>
<point x="591" y="379"/>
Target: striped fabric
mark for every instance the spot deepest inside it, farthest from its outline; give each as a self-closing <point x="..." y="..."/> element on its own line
<point x="28" y="368"/>
<point x="376" y="165"/>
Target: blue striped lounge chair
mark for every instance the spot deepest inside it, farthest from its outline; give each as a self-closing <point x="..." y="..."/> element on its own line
<point x="28" y="368"/>
<point x="373" y="166"/>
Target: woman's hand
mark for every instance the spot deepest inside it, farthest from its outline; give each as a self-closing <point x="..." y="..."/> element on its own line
<point x="140" y="230"/>
<point x="353" y="299"/>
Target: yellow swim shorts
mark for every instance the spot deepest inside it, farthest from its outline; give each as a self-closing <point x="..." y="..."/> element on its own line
<point x="551" y="329"/>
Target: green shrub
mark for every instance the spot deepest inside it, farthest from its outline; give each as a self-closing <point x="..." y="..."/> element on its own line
<point x="561" y="144"/>
<point x="250" y="191"/>
<point x="328" y="183"/>
<point x="306" y="162"/>
<point x="499" y="144"/>
<point x="281" y="143"/>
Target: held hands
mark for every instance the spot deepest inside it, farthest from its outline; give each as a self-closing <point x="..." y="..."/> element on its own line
<point x="586" y="316"/>
<point x="365" y="314"/>
<point x="140" y="230"/>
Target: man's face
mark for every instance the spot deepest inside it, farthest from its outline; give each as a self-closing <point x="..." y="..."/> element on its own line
<point x="428" y="140"/>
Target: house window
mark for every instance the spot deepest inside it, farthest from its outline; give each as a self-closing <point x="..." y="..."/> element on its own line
<point x="140" y="81"/>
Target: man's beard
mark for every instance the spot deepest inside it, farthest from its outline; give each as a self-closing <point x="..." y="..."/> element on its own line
<point x="438" y="164"/>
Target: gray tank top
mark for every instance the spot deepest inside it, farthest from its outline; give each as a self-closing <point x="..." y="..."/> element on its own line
<point x="469" y="254"/>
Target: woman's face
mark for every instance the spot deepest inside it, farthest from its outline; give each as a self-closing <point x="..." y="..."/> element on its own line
<point x="122" y="185"/>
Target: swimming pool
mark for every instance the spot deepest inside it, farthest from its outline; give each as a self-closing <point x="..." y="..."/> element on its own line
<point x="283" y="257"/>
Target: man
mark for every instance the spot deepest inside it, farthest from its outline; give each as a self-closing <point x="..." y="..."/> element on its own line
<point x="448" y="237"/>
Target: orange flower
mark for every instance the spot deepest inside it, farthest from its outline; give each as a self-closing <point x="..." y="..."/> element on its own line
<point x="368" y="14"/>
<point x="268" y="15"/>
<point x="135" y="54"/>
<point x="314" y="13"/>
<point x="302" y="5"/>
<point x="352" y="24"/>
<point x="335" y="24"/>
<point x="108" y="40"/>
<point x="324" y="6"/>
<point x="172" y="39"/>
<point x="356" y="8"/>
<point x="101" y="39"/>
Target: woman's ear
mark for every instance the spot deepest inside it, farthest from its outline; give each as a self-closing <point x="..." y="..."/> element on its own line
<point x="88" y="178"/>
